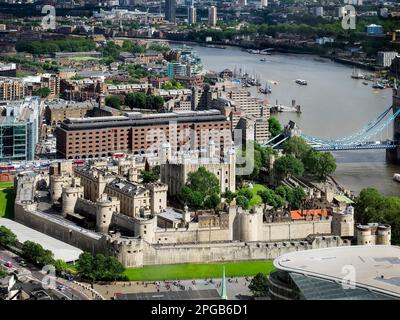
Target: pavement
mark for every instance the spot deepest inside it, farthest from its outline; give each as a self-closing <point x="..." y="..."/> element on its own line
<point x="237" y="288"/>
<point x="69" y="290"/>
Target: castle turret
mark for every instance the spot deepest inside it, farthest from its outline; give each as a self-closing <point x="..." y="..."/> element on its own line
<point x="70" y="195"/>
<point x="249" y="223"/>
<point x="145" y="228"/>
<point x="105" y="207"/>
<point x="343" y="222"/>
<point x="57" y="182"/>
<point x="364" y="235"/>
<point x="383" y="236"/>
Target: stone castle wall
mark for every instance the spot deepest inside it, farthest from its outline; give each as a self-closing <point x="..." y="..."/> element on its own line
<point x="60" y="229"/>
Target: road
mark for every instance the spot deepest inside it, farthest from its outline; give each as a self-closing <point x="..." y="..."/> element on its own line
<point x="34" y="273"/>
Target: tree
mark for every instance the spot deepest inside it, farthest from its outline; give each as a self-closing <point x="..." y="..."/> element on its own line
<point x="246" y="192"/>
<point x="242" y="201"/>
<point x="3" y="273"/>
<point x="203" y="181"/>
<point x="99" y="267"/>
<point x="320" y="163"/>
<point x="150" y="176"/>
<point x="212" y="201"/>
<point x="297" y="147"/>
<point x="61" y="266"/>
<point x="193" y="199"/>
<point x="327" y="165"/>
<point x="36" y="253"/>
<point x="294" y="196"/>
<point x="288" y="165"/>
<point x="7" y="237"/>
<point x="269" y="197"/>
<point x="229" y="196"/>
<point x="42" y="92"/>
<point x="259" y="285"/>
<point x="113" y="101"/>
<point x="371" y="206"/>
<point x="275" y="126"/>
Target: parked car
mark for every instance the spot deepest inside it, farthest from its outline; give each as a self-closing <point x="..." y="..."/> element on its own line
<point x="8" y="264"/>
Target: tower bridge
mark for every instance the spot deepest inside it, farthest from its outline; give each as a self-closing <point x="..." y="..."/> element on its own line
<point x="369" y="137"/>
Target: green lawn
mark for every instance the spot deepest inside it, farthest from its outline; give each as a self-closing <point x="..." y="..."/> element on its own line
<point x="256" y="200"/>
<point x="198" y="271"/>
<point x="83" y="58"/>
<point x="7" y="197"/>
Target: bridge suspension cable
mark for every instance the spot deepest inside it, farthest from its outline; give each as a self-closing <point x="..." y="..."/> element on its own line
<point x="361" y="133"/>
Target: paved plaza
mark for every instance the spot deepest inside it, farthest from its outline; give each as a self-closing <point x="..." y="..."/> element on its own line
<point x="237" y="288"/>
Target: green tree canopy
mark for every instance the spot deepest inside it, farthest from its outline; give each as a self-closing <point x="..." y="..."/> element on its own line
<point x="229" y="196"/>
<point x="275" y="126"/>
<point x="297" y="147"/>
<point x="242" y="201"/>
<point x="288" y="165"/>
<point x="202" y="190"/>
<point x="7" y="237"/>
<point x="294" y="196"/>
<point x="320" y="163"/>
<point x="99" y="267"/>
<point x="42" y="92"/>
<point x="36" y="253"/>
<point x="259" y="285"/>
<point x="371" y="206"/>
<point x="151" y="175"/>
<point x="270" y="198"/>
<point x="114" y="101"/>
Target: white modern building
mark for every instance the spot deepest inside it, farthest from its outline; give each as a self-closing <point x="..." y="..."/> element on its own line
<point x="385" y="58"/>
<point x="192" y="15"/>
<point x="212" y="16"/>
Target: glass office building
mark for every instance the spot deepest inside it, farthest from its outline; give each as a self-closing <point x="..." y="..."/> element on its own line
<point x="19" y="125"/>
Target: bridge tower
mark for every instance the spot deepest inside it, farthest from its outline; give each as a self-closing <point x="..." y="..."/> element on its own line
<point x="393" y="155"/>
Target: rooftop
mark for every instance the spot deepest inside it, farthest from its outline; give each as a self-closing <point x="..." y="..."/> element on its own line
<point x="61" y="250"/>
<point x="139" y="119"/>
<point x="377" y="268"/>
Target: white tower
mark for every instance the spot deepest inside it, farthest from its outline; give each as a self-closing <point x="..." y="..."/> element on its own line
<point x="212" y="16"/>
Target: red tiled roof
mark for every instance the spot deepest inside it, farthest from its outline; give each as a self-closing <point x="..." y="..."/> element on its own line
<point x="301" y="214"/>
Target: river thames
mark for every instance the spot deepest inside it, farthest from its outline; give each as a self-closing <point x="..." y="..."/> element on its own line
<point x="333" y="105"/>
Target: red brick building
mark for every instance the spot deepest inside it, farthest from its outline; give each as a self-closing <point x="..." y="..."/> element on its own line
<point x="137" y="133"/>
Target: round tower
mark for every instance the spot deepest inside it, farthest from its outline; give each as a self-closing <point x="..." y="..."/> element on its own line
<point x="70" y="195"/>
<point x="383" y="236"/>
<point x="146" y="228"/>
<point x="56" y="184"/>
<point x="343" y="223"/>
<point x="105" y="207"/>
<point x="249" y="224"/>
<point x="364" y="236"/>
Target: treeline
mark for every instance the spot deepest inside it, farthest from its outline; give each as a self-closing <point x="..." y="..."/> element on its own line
<point x="97" y="267"/>
<point x="61" y="45"/>
<point x="29" y="63"/>
<point x="135" y="100"/>
<point x="372" y="206"/>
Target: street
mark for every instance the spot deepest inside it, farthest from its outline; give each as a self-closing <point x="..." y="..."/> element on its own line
<point x="68" y="289"/>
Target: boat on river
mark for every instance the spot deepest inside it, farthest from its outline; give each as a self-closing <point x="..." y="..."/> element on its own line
<point x="301" y="82"/>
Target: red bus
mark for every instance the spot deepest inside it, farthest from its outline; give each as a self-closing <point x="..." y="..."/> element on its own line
<point x="78" y="162"/>
<point x="7" y="169"/>
<point x="118" y="155"/>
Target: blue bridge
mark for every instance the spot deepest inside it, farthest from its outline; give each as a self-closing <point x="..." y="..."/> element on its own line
<point x="365" y="138"/>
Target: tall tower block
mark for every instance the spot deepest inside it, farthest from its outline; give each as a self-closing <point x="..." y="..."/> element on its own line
<point x="393" y="155"/>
